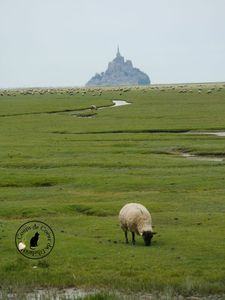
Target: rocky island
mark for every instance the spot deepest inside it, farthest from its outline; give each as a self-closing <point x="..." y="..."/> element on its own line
<point x="119" y="72"/>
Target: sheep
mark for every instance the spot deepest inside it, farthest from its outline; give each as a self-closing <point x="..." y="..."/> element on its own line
<point x="93" y="107"/>
<point x="134" y="217"/>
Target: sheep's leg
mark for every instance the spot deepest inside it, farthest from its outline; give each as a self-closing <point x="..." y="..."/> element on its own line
<point x="133" y="238"/>
<point x="126" y="237"/>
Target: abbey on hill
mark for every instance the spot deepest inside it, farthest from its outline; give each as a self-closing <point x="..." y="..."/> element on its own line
<point x="119" y="72"/>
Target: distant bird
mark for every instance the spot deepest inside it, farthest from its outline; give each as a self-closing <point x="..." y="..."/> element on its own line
<point x="34" y="240"/>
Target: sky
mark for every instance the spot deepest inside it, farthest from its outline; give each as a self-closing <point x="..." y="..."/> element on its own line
<point x="65" y="42"/>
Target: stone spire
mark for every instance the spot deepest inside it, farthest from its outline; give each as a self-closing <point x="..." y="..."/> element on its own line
<point x="118" y="51"/>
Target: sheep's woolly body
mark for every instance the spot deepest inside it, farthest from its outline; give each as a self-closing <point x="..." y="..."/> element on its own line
<point x="135" y="218"/>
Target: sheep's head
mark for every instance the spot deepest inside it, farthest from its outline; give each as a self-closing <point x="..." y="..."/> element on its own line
<point x="147" y="236"/>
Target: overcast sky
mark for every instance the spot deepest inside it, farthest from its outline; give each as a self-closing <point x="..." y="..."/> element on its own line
<point x="65" y="42"/>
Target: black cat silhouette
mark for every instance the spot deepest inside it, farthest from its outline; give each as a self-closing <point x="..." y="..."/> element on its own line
<point x="34" y="240"/>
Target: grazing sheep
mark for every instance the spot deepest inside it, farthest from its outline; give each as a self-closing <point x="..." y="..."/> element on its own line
<point x="93" y="107"/>
<point x="135" y="218"/>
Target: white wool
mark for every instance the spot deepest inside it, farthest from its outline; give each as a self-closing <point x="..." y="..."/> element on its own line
<point x="135" y="218"/>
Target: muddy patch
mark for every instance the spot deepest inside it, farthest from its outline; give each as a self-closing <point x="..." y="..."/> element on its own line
<point x="53" y="294"/>
<point x="91" y="112"/>
<point x="86" y="114"/>
<point x="73" y="293"/>
<point x="216" y="133"/>
<point x="120" y="103"/>
<point x="199" y="157"/>
<point x="116" y="103"/>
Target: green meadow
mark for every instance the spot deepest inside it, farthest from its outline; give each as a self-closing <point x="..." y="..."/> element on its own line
<point x="75" y="173"/>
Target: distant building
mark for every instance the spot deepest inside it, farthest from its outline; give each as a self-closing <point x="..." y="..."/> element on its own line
<point x="119" y="72"/>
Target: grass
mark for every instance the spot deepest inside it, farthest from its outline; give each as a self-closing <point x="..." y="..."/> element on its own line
<point x="76" y="173"/>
